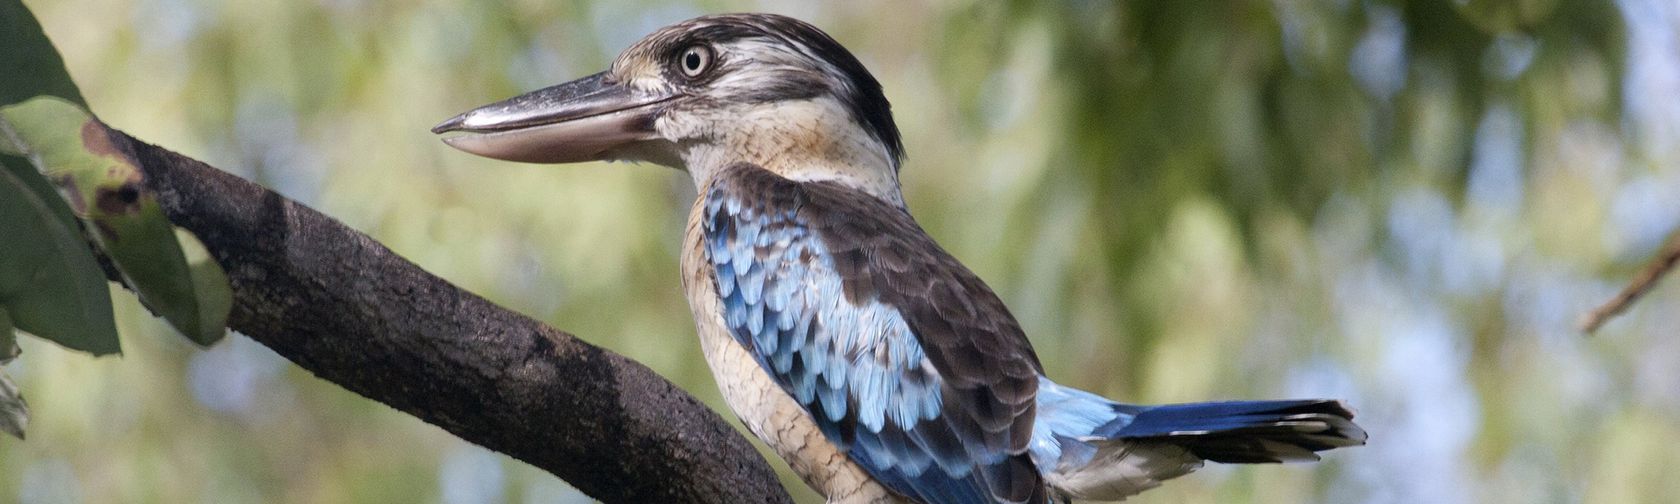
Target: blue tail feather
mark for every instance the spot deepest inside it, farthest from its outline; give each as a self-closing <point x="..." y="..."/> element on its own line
<point x="1248" y="431"/>
<point x="1167" y="419"/>
<point x="1091" y="448"/>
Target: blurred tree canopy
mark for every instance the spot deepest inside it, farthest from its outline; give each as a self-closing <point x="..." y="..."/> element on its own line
<point x="1402" y="204"/>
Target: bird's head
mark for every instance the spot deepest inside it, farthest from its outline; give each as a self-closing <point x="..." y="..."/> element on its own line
<point x="703" y="94"/>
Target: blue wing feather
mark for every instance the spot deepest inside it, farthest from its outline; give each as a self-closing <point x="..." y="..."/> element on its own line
<point x="845" y="363"/>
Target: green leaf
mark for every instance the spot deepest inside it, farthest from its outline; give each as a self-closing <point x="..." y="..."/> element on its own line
<point x="32" y="66"/>
<point x="14" y="413"/>
<point x="8" y="338"/>
<point x="104" y="187"/>
<point x="210" y="284"/>
<point x="50" y="284"/>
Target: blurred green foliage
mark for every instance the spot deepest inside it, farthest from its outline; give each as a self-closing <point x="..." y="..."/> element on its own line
<point x="1403" y="204"/>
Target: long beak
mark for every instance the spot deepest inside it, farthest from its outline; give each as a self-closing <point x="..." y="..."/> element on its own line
<point x="581" y="120"/>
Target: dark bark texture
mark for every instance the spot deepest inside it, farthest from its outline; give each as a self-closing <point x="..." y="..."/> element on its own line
<point x="349" y="310"/>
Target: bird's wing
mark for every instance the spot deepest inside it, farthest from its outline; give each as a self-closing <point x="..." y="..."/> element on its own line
<point x="901" y="355"/>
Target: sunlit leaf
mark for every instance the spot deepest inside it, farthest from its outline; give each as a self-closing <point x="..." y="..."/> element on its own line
<point x="49" y="281"/>
<point x="210" y="284"/>
<point x="104" y="187"/>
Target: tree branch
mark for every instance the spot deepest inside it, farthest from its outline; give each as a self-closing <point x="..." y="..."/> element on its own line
<point x="1647" y="278"/>
<point x="349" y="310"/>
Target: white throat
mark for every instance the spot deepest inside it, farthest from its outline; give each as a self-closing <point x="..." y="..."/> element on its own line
<point x="810" y="140"/>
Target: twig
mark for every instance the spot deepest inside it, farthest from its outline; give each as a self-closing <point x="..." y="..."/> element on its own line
<point x="1647" y="278"/>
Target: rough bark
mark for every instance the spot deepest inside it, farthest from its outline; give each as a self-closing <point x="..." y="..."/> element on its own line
<point x="349" y="310"/>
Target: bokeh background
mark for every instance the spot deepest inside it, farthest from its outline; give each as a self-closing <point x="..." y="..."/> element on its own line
<point x="1403" y="204"/>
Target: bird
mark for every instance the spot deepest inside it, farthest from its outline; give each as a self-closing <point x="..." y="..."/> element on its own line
<point x="838" y="331"/>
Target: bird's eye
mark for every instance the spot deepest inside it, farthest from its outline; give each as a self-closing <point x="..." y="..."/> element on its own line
<point x="695" y="60"/>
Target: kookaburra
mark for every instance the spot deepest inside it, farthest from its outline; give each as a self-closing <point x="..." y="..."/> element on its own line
<point x="873" y="362"/>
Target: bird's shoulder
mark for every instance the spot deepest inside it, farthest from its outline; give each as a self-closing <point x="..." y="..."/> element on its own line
<point x="900" y="353"/>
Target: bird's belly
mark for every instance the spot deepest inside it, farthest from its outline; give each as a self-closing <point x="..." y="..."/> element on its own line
<point x="768" y="411"/>
<point x="775" y="418"/>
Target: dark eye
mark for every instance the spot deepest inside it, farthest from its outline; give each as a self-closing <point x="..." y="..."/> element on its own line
<point x="695" y="60"/>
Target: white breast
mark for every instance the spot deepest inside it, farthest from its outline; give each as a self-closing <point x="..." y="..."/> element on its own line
<point x="767" y="411"/>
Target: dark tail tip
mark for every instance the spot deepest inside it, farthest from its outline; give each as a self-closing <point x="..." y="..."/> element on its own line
<point x="1250" y="432"/>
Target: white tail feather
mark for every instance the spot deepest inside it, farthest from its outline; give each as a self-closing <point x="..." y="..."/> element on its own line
<point x="1120" y="469"/>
